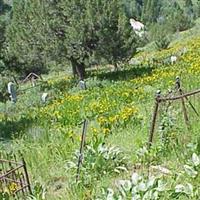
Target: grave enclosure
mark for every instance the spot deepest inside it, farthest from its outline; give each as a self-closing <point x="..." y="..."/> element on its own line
<point x="14" y="179"/>
<point x="185" y="102"/>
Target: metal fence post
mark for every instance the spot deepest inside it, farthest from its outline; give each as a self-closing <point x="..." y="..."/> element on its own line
<point x="155" y="114"/>
<point x="178" y="87"/>
<point x="81" y="152"/>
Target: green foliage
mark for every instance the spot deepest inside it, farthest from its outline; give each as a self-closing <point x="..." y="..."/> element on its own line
<point x="133" y="8"/>
<point x="4" y="21"/>
<point x="189" y="10"/>
<point x="102" y="29"/>
<point x="30" y="42"/>
<point x="117" y="43"/>
<point x="39" y="192"/>
<point x="151" y="10"/>
<point x="99" y="160"/>
<point x="3" y="89"/>
<point x="5" y="196"/>
<point x="162" y="42"/>
<point x="54" y="31"/>
<point x="57" y="32"/>
<point x="160" y="34"/>
<point x="58" y="85"/>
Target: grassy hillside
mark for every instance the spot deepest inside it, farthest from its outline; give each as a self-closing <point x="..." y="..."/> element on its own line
<point x="118" y="106"/>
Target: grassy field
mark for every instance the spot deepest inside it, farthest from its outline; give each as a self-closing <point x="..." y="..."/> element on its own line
<point x="118" y="107"/>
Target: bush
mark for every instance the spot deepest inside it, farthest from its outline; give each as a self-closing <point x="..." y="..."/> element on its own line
<point x="2" y="66"/>
<point x="160" y="34"/>
<point x="183" y="22"/>
<point x="3" y="89"/>
<point x="60" y="84"/>
<point x="162" y="42"/>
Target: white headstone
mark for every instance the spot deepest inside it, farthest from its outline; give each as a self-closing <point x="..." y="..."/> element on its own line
<point x="12" y="92"/>
<point x="173" y="59"/>
<point x="82" y="85"/>
<point x="44" y="97"/>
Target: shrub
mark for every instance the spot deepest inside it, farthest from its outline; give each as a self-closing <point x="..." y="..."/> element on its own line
<point x="3" y="89"/>
<point x="162" y="42"/>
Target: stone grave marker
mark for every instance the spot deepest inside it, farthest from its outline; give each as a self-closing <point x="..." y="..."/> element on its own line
<point x="44" y="97"/>
<point x="82" y="85"/>
<point x="12" y="92"/>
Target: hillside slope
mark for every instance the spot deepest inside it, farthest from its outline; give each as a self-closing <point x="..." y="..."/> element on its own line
<point x="118" y="107"/>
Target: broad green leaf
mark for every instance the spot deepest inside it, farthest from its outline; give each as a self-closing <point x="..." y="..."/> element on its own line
<point x="195" y="159"/>
<point x="190" y="171"/>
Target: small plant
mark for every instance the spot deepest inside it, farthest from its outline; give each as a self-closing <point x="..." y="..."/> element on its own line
<point x="39" y="192"/>
<point x="99" y="160"/>
<point x="138" y="187"/>
<point x="162" y="42"/>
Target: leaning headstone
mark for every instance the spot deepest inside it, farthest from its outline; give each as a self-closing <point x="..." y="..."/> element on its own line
<point x="44" y="97"/>
<point x="82" y="85"/>
<point x="12" y="92"/>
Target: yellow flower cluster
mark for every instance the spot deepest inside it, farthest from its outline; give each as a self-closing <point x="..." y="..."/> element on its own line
<point x="128" y="112"/>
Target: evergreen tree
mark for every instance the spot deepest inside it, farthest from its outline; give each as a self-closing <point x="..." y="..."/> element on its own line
<point x="117" y="43"/>
<point x="151" y="10"/>
<point x="133" y="8"/>
<point x="29" y="39"/>
<point x="198" y="8"/>
<point x="4" y="21"/>
<point x="189" y="8"/>
<point x="93" y="26"/>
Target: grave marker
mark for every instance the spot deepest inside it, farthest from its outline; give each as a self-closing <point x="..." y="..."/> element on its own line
<point x="44" y="97"/>
<point x="82" y="85"/>
<point x="12" y="92"/>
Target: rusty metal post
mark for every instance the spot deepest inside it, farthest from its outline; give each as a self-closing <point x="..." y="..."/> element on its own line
<point x="178" y="87"/>
<point x="155" y="114"/>
<point x="192" y="106"/>
<point x="80" y="159"/>
<point x="26" y="175"/>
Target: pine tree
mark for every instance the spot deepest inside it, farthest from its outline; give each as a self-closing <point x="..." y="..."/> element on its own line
<point x="29" y="40"/>
<point x="4" y="21"/>
<point x="189" y="8"/>
<point x="45" y="31"/>
<point x="91" y="27"/>
<point x="117" y="42"/>
<point x="151" y="10"/>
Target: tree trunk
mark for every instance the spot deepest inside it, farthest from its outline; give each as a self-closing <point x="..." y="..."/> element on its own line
<point x="73" y="63"/>
<point x="116" y="66"/>
<point x="78" y="69"/>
